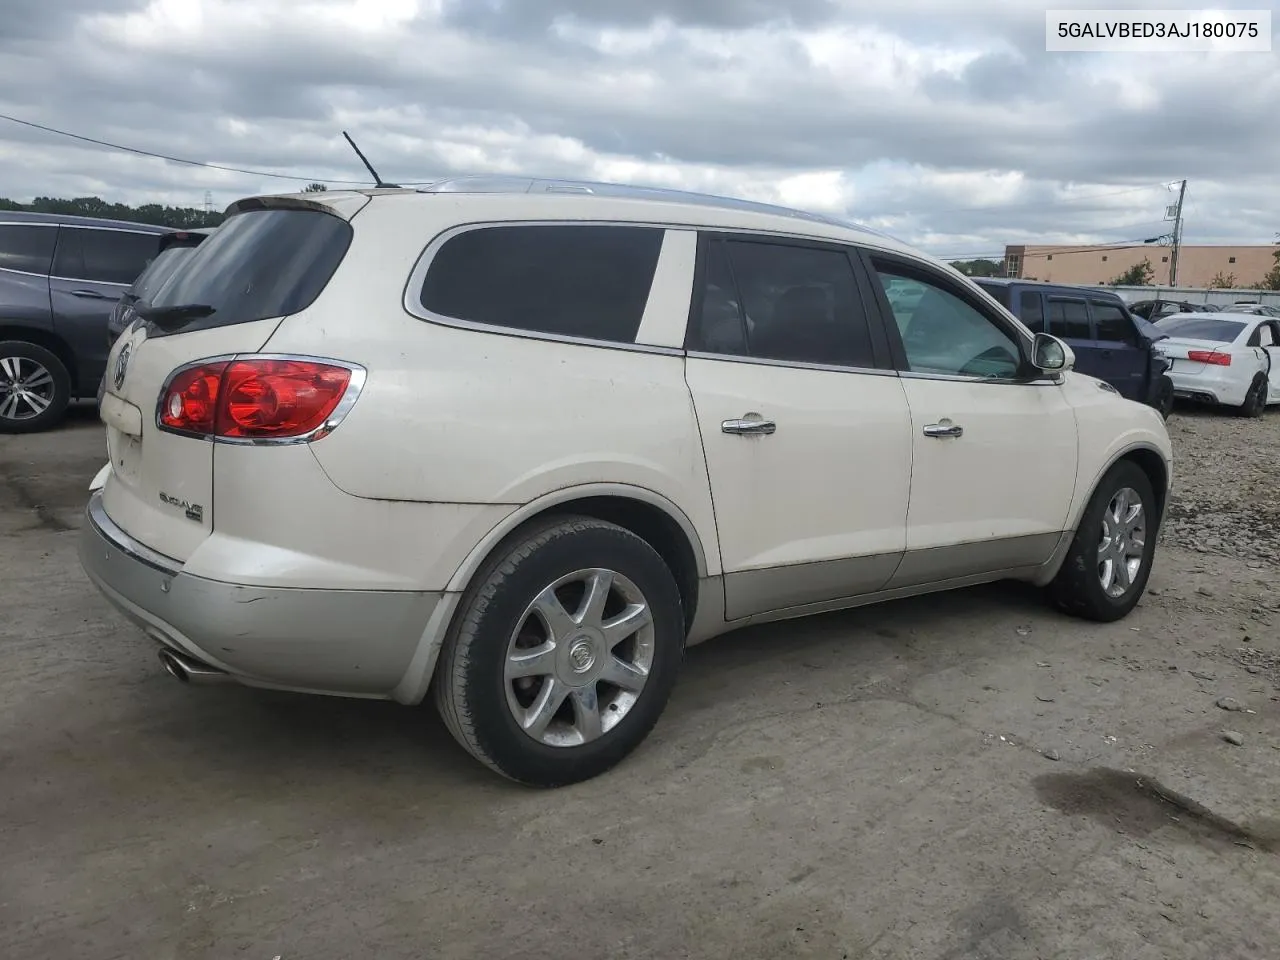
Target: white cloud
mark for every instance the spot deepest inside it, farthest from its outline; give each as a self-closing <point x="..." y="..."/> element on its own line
<point x="946" y="124"/>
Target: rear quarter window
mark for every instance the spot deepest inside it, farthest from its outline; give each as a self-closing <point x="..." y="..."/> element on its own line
<point x="259" y="264"/>
<point x="584" y="281"/>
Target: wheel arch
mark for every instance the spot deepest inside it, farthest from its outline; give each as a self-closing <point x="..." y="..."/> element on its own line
<point x="43" y="338"/>
<point x="1150" y="460"/>
<point x="649" y="515"/>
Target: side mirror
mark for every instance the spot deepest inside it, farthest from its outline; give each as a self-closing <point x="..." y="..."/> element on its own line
<point x="1051" y="355"/>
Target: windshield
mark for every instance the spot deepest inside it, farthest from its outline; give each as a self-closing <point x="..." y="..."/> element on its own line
<point x="1193" y="327"/>
<point x="259" y="264"/>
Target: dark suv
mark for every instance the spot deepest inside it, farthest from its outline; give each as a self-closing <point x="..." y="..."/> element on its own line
<point x="60" y="278"/>
<point x="1109" y="342"/>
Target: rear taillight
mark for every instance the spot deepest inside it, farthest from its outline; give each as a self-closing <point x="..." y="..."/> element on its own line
<point x="258" y="398"/>
<point x="1210" y="356"/>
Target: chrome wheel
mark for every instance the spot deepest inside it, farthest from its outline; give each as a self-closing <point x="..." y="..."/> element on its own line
<point x="1124" y="540"/>
<point x="27" y="388"/>
<point x="579" y="657"/>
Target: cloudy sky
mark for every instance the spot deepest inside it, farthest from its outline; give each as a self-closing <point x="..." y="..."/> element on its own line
<point x="943" y="123"/>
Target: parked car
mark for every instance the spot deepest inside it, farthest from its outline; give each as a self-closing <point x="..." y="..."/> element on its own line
<point x="175" y="246"/>
<point x="60" y="277"/>
<point x="492" y="441"/>
<point x="1153" y="310"/>
<point x="1257" y="309"/>
<point x="1109" y="342"/>
<point x="1226" y="359"/>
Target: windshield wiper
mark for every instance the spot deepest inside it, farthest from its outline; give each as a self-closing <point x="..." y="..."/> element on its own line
<point x="129" y="297"/>
<point x="176" y="316"/>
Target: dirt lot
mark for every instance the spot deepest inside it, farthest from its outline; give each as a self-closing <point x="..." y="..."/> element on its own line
<point x="874" y="784"/>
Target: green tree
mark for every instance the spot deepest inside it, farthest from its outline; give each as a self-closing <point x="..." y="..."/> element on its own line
<point x="978" y="268"/>
<point x="180" y="218"/>
<point x="1139" y="275"/>
<point x="1223" y="282"/>
<point x="1272" y="279"/>
<point x="315" y="188"/>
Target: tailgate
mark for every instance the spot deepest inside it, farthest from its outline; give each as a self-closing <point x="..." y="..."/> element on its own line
<point x="1177" y="352"/>
<point x="160" y="489"/>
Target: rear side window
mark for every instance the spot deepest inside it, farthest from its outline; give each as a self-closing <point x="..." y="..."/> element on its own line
<point x="1111" y="322"/>
<point x="568" y="280"/>
<point x="1031" y="311"/>
<point x="27" y="248"/>
<point x="103" y="256"/>
<point x="1069" y="319"/>
<point x="259" y="264"/>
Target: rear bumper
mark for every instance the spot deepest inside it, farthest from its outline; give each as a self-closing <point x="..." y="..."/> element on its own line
<point x="1208" y="387"/>
<point x="345" y="642"/>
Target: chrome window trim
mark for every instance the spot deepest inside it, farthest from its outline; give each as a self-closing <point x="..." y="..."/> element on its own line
<point x="25" y="273"/>
<point x="109" y="283"/>
<point x="793" y="364"/>
<point x="359" y="377"/>
<point x="1048" y="380"/>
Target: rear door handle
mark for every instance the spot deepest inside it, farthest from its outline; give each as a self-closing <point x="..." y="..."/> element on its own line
<point x="748" y="427"/>
<point x="944" y="429"/>
<point x="90" y="295"/>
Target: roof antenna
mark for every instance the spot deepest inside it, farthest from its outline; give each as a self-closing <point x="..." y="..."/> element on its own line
<point x="378" y="183"/>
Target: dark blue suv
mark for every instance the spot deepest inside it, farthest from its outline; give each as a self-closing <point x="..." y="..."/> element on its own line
<point x="60" y="278"/>
<point x="1109" y="341"/>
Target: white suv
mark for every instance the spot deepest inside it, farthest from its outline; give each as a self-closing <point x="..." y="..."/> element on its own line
<point x="515" y="443"/>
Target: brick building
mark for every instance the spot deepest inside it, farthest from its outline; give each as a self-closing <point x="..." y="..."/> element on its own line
<point x="1197" y="266"/>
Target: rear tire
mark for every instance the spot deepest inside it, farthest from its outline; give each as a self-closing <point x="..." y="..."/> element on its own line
<point x="1109" y="561"/>
<point x="1255" y="401"/>
<point x="541" y="684"/>
<point x="1164" y="397"/>
<point x="35" y="388"/>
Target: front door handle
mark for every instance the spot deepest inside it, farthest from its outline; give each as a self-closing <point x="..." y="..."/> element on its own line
<point x="89" y="295"/>
<point x="752" y="426"/>
<point x="944" y="429"/>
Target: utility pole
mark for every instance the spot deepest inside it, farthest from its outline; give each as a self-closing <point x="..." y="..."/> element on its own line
<point x="1177" y="235"/>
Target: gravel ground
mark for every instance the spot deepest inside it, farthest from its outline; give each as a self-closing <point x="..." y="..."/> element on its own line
<point x="968" y="777"/>
<point x="1227" y="484"/>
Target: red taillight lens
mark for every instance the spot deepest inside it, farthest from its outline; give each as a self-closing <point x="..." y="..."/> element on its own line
<point x="259" y="398"/>
<point x="1210" y="356"/>
<point x="190" y="400"/>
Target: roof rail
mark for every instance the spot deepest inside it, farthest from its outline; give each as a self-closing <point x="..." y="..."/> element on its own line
<point x="513" y="184"/>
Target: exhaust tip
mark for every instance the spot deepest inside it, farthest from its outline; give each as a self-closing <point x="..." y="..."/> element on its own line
<point x="173" y="666"/>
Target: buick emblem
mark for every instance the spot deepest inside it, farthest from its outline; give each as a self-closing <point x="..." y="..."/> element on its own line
<point x="122" y="365"/>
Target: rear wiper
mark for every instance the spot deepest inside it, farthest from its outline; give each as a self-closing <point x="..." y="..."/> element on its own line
<point x="171" y="318"/>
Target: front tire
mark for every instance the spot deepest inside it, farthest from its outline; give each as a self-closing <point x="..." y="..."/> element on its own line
<point x="564" y="652"/>
<point x="1109" y="561"/>
<point x="35" y="388"/>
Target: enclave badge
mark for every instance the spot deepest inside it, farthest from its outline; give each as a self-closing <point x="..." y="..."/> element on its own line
<point x="122" y="365"/>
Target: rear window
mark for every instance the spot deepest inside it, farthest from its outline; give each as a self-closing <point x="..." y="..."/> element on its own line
<point x="570" y="280"/>
<point x="1201" y="328"/>
<point x="160" y="270"/>
<point x="258" y="265"/>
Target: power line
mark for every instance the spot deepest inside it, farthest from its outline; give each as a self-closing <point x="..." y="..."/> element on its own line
<point x="1050" y="251"/>
<point x="191" y="163"/>
<point x="1057" y="203"/>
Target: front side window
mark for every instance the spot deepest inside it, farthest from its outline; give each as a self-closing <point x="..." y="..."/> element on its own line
<point x="28" y="249"/>
<point x="564" y="279"/>
<point x="944" y="334"/>
<point x="103" y="256"/>
<point x="1069" y="319"/>
<point x="1110" y="322"/>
